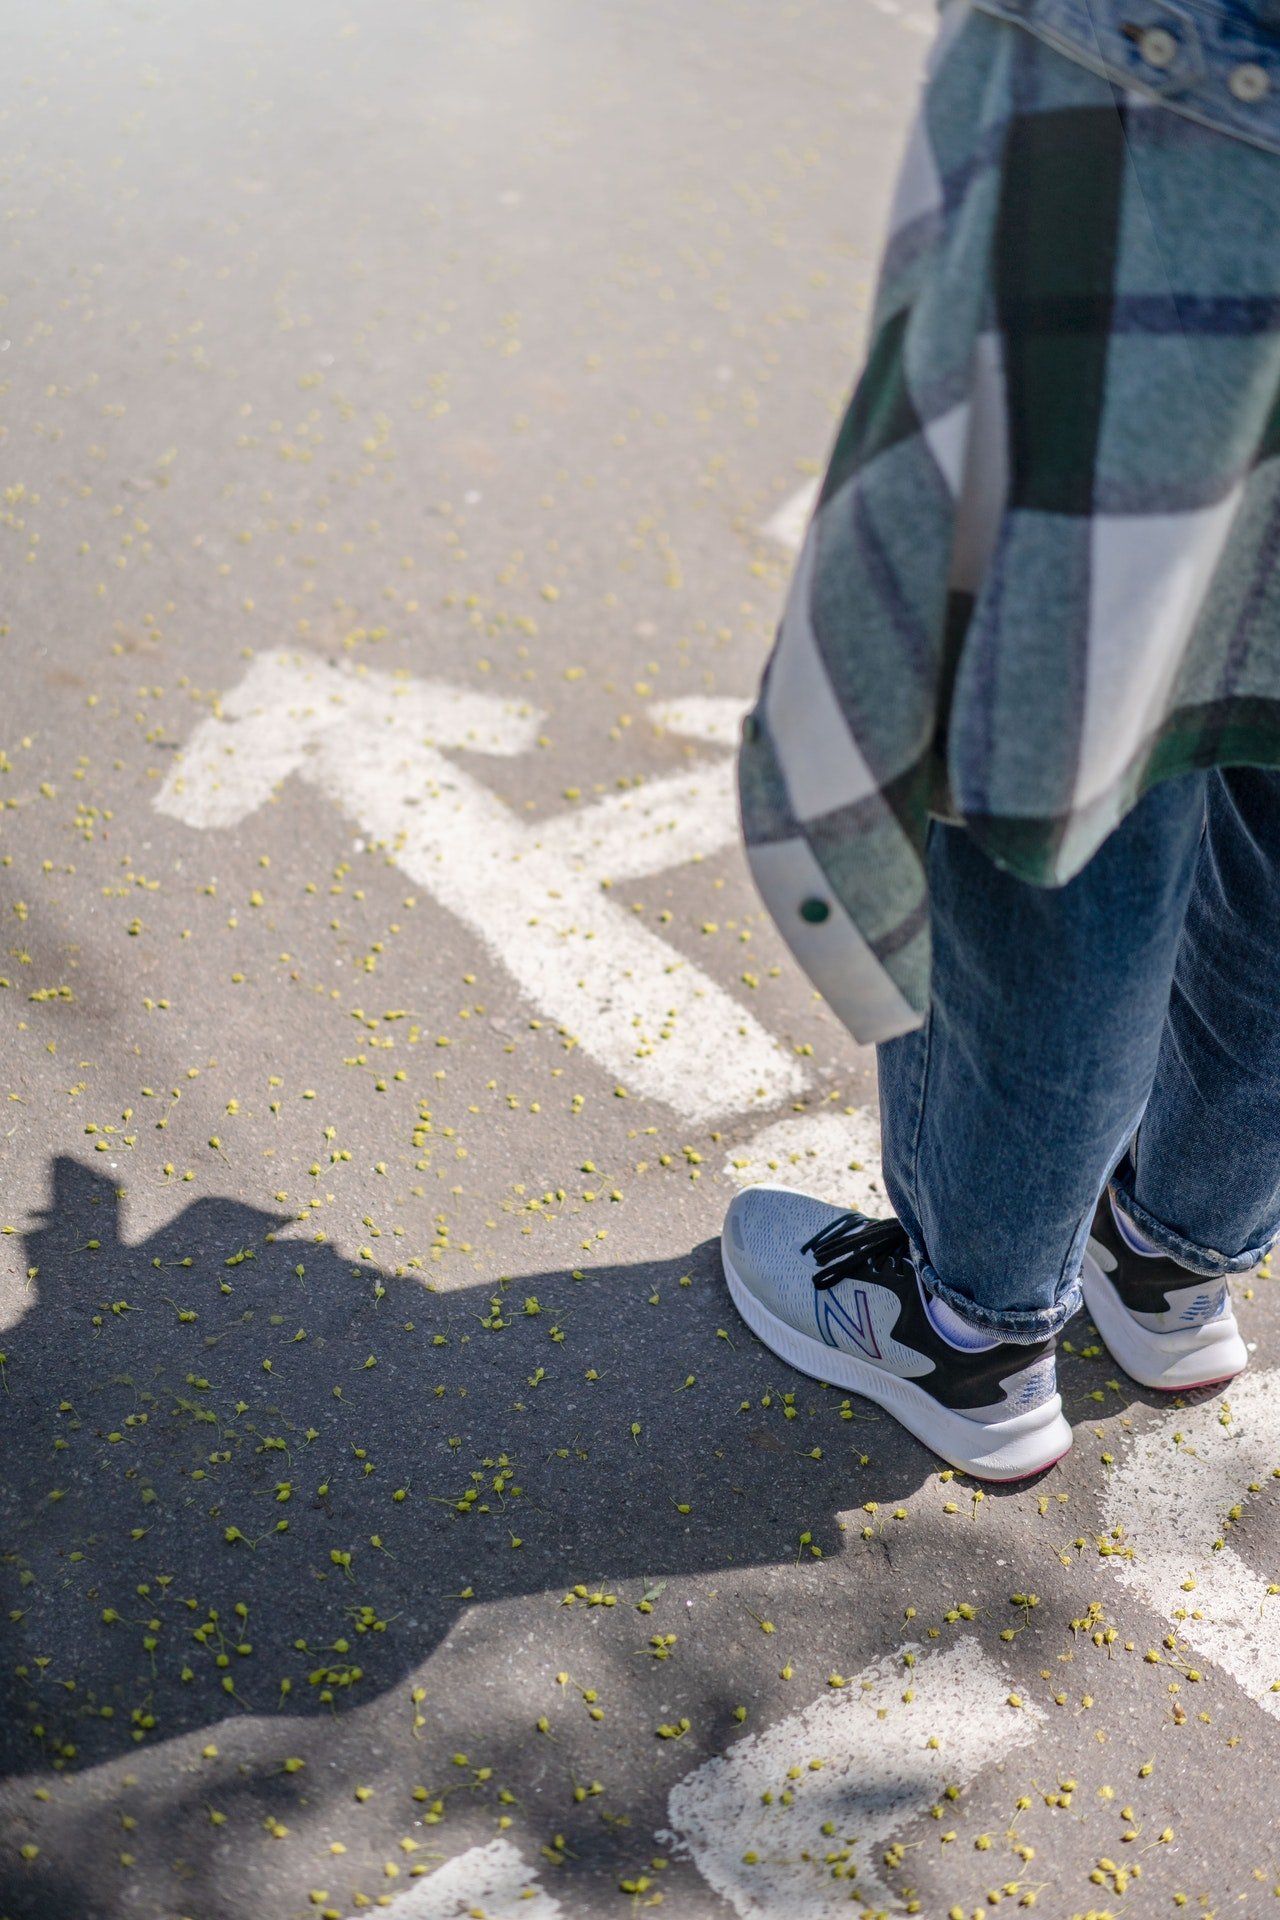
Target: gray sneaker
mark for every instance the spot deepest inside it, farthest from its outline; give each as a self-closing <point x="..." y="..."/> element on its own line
<point x="837" y="1296"/>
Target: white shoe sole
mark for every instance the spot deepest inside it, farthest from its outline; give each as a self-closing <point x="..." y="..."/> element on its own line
<point x="1012" y="1449"/>
<point x="1202" y="1356"/>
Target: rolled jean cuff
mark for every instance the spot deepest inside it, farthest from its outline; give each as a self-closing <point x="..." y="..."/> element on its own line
<point x="1023" y="1326"/>
<point x="1206" y="1261"/>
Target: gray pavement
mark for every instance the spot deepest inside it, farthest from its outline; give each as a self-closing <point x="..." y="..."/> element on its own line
<point x="397" y="401"/>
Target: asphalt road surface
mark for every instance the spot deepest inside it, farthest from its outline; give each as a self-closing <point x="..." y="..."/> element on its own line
<point x="406" y="416"/>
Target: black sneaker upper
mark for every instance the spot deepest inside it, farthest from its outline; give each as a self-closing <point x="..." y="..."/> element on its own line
<point x="853" y="1247"/>
<point x="1146" y="1283"/>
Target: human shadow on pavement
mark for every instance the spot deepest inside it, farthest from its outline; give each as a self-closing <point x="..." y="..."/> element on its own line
<point x="246" y="1474"/>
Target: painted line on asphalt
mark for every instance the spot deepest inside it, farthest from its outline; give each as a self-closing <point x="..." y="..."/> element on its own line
<point x="878" y="1771"/>
<point x="667" y="822"/>
<point x="714" y="717"/>
<point x="834" y="1156"/>
<point x="1173" y="1497"/>
<point x="374" y="744"/>
<point x="267" y="726"/>
<point x="492" y="1880"/>
<point x="787" y="526"/>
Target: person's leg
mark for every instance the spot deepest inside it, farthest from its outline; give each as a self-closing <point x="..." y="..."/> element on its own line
<point x="1003" y="1116"/>
<point x="1206" y="1190"/>
<point x="1002" y="1119"/>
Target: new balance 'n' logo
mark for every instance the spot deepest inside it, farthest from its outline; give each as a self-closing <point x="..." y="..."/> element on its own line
<point x="841" y="1321"/>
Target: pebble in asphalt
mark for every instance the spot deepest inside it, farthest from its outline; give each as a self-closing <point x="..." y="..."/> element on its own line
<point x="394" y="1514"/>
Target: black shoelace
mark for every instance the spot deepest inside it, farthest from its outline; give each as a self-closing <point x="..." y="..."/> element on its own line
<point x="849" y="1246"/>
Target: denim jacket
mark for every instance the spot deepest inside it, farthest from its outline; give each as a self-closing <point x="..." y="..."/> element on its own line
<point x="1217" y="61"/>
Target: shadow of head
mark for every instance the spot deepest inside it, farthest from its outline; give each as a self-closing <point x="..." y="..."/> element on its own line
<point x="242" y="1472"/>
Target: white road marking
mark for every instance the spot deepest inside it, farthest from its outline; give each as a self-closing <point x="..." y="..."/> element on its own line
<point x="714" y="717"/>
<point x="491" y="1881"/>
<point x="834" y="1156"/>
<point x="373" y="743"/>
<point x="877" y="1773"/>
<point x="909" y="22"/>
<point x="265" y="728"/>
<point x="1172" y="1499"/>
<point x="628" y="835"/>
<point x="789" y="523"/>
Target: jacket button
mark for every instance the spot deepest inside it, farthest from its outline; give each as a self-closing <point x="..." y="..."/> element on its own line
<point x="815" y="911"/>
<point x="1158" y="47"/>
<point x="750" y="728"/>
<point x="1249" y="82"/>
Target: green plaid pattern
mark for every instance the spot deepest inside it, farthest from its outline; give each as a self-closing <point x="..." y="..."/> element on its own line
<point x="1044" y="568"/>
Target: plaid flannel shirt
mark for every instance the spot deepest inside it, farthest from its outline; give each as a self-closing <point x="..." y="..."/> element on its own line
<point x="1044" y="568"/>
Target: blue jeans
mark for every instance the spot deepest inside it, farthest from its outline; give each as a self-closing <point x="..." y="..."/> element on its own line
<point x="1124" y="1025"/>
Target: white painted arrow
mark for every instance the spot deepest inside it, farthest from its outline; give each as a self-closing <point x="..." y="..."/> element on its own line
<point x="374" y="743"/>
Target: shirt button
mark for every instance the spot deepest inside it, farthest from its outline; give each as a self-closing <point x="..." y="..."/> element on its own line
<point x="1158" y="47"/>
<point x="1249" y="82"/>
<point x="815" y="911"/>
